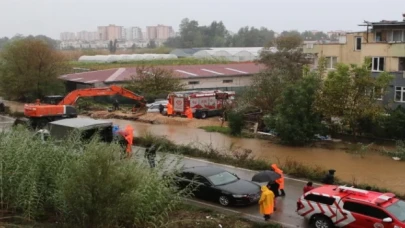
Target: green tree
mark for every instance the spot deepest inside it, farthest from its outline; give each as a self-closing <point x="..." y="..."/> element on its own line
<point x="284" y="67"/>
<point x="112" y="46"/>
<point x="264" y="90"/>
<point x="349" y="93"/>
<point x="295" y="121"/>
<point x="151" y="44"/>
<point x="191" y="34"/>
<point x="289" y="58"/>
<point x="235" y="121"/>
<point x="154" y="82"/>
<point x="29" y="69"/>
<point x="308" y="35"/>
<point x="251" y="37"/>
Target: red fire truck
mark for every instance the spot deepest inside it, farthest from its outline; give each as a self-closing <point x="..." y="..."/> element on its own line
<point x="203" y="103"/>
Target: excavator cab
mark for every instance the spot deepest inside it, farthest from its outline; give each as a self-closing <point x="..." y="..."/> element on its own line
<point x="53" y="99"/>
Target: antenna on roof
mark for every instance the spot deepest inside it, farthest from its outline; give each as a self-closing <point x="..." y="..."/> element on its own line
<point x="352" y="190"/>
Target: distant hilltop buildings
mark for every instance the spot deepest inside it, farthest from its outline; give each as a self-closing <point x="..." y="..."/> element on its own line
<point x="127" y="37"/>
<point x="112" y="32"/>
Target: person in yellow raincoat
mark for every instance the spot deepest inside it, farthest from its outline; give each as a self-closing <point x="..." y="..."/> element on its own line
<point x="281" y="180"/>
<point x="266" y="203"/>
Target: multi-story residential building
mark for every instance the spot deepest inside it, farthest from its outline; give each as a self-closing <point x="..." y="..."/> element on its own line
<point x="67" y="36"/>
<point x="151" y="32"/>
<point x="87" y="36"/>
<point x="132" y="33"/>
<point x="110" y="32"/>
<point x="159" y="32"/>
<point x="383" y="42"/>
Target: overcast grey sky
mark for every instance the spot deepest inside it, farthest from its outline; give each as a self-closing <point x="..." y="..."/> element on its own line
<point x="51" y="17"/>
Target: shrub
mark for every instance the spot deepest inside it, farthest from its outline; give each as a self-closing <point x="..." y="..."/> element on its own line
<point x="82" y="183"/>
<point x="235" y="122"/>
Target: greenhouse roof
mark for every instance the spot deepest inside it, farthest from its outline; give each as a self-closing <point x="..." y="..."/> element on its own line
<point x="181" y="71"/>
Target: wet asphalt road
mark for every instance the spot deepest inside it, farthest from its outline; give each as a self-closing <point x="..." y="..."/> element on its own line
<point x="286" y="206"/>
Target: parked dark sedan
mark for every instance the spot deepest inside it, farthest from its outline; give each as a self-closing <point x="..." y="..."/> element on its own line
<point x="216" y="184"/>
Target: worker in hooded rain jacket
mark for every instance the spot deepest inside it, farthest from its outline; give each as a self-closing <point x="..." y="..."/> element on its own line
<point x="169" y="109"/>
<point x="267" y="203"/>
<point x="189" y="112"/>
<point x="280" y="181"/>
<point x="129" y="137"/>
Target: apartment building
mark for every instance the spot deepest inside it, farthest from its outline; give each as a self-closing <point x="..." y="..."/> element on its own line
<point x="132" y="33"/>
<point x="383" y="42"/>
<point x="87" y="36"/>
<point x="110" y="32"/>
<point x="159" y="32"/>
<point x="67" y="36"/>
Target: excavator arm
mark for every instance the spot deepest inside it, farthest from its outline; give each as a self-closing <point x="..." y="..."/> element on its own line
<point x="72" y="97"/>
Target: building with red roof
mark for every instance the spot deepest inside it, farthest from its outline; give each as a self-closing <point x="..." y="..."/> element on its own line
<point x="201" y="77"/>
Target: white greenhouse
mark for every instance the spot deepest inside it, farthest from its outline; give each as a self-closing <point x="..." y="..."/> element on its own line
<point x="124" y="58"/>
<point x="231" y="54"/>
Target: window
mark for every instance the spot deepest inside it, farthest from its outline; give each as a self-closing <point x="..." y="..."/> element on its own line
<point x="398" y="210"/>
<point x="310" y="45"/>
<point x="227" y="81"/>
<point x="378" y="93"/>
<point x="399" y="94"/>
<point x="357" y="43"/>
<point x="222" y="178"/>
<point x="378" y="37"/>
<point x="397" y="35"/>
<point x="365" y="210"/>
<point x="320" y="199"/>
<point x="401" y="64"/>
<point x="331" y="62"/>
<point x="202" y="180"/>
<point x="193" y="82"/>
<point x="377" y="64"/>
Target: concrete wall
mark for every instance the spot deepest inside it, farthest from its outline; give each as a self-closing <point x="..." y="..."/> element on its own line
<point x="389" y="95"/>
<point x="346" y="53"/>
<point x="237" y="81"/>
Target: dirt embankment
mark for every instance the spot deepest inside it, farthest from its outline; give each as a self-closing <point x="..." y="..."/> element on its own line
<point x="155" y="118"/>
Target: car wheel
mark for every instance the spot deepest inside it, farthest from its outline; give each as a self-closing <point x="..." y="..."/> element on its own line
<point x="224" y="201"/>
<point x="322" y="222"/>
<point x="204" y="115"/>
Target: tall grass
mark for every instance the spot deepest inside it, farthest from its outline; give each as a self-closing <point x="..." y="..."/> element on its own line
<point x="87" y="184"/>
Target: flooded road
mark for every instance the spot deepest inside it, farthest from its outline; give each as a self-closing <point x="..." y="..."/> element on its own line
<point x="373" y="169"/>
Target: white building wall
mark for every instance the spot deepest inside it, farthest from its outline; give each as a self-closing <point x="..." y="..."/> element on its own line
<point x="217" y="82"/>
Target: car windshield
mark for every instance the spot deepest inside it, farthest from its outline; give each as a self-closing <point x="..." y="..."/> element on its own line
<point x="222" y="178"/>
<point x="398" y="210"/>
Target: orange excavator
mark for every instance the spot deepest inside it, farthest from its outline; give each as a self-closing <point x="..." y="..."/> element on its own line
<point x="59" y="107"/>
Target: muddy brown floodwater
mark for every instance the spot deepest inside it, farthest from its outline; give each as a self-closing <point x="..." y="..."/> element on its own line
<point x="373" y="169"/>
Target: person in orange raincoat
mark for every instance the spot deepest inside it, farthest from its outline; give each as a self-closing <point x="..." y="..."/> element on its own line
<point x="281" y="180"/>
<point x="189" y="113"/>
<point x="169" y="109"/>
<point x="129" y="137"/>
<point x="267" y="203"/>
